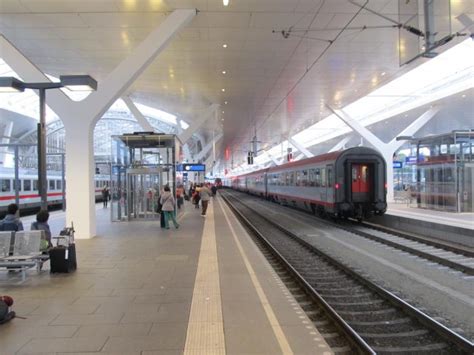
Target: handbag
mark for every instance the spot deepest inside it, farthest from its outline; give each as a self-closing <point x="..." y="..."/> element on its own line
<point x="159" y="208"/>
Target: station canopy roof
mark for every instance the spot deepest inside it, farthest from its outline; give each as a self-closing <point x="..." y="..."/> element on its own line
<point x="272" y="66"/>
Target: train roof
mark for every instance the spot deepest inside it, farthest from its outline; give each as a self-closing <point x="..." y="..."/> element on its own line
<point x="317" y="159"/>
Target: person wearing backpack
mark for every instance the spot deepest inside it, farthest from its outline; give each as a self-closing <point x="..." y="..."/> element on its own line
<point x="11" y="222"/>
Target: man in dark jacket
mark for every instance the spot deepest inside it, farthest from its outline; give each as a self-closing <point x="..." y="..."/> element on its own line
<point x="11" y="222"/>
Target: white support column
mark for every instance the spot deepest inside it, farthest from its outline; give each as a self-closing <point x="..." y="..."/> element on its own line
<point x="142" y="121"/>
<point x="302" y="149"/>
<point x="386" y="149"/>
<point x="207" y="148"/>
<point x="79" y="118"/>
<point x="340" y="145"/>
<point x="7" y="133"/>
<point x="197" y="123"/>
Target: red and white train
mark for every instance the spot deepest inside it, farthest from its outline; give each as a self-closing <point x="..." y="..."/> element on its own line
<point x="28" y="189"/>
<point x="348" y="183"/>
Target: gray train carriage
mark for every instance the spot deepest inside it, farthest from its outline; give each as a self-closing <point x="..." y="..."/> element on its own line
<point x="348" y="183"/>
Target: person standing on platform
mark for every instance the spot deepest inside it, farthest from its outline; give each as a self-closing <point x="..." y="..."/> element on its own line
<point x="205" y="197"/>
<point x="167" y="201"/>
<point x="11" y="222"/>
<point x="105" y="195"/>
<point x="180" y="195"/>
<point x="214" y="190"/>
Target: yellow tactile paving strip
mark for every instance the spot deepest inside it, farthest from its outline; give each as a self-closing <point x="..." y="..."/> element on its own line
<point x="205" y="333"/>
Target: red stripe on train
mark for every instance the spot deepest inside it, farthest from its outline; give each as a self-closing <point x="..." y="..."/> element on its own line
<point x="3" y="198"/>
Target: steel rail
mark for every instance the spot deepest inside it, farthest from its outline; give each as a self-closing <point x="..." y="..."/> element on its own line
<point x="352" y="336"/>
<point x="469" y="252"/>
<point x="443" y="331"/>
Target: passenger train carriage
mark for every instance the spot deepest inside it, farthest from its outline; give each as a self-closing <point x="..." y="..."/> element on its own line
<point x="348" y="183"/>
<point x="28" y="189"/>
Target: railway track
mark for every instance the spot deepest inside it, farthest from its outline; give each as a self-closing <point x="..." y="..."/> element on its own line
<point x="455" y="257"/>
<point x="372" y="319"/>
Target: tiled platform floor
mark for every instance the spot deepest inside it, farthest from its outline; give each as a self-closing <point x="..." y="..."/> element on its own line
<point x="135" y="288"/>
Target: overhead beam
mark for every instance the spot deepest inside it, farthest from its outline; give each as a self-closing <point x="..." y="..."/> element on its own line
<point x="197" y="123"/>
<point x="340" y="145"/>
<point x="300" y="147"/>
<point x="80" y="117"/>
<point x="141" y="119"/>
<point x="386" y="149"/>
<point x="208" y="147"/>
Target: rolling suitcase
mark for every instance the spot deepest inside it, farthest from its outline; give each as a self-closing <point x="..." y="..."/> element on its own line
<point x="63" y="259"/>
<point x="63" y="255"/>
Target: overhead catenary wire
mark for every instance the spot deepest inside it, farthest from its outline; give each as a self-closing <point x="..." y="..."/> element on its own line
<point x="314" y="62"/>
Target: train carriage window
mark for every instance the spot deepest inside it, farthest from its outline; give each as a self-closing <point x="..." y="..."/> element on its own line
<point x="35" y="185"/>
<point x="317" y="177"/>
<point x="364" y="171"/>
<point x="97" y="184"/>
<point x="354" y="173"/>
<point x="58" y="184"/>
<point x="304" y="178"/>
<point x="51" y="185"/>
<point x="291" y="178"/>
<point x="26" y="185"/>
<point x="297" y="178"/>
<point x="5" y="184"/>
<point x="312" y="177"/>
<point x="16" y="185"/>
<point x="323" y="177"/>
<point x="330" y="177"/>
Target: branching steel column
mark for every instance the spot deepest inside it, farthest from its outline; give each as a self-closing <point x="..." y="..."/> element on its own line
<point x="142" y="121"/>
<point x="386" y="149"/>
<point x="302" y="149"/>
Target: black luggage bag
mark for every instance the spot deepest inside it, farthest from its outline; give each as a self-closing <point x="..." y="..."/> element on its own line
<point x="63" y="259"/>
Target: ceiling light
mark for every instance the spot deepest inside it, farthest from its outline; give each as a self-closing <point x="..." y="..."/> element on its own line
<point x="224" y="72"/>
<point x="383" y="73"/>
<point x="224" y="45"/>
<point x="78" y="82"/>
<point x="463" y="96"/>
<point x="225" y="102"/>
<point x="225" y="2"/>
<point x="223" y="90"/>
<point x="223" y="112"/>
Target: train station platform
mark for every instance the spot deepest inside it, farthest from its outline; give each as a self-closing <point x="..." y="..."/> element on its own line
<point x="447" y="226"/>
<point x="204" y="288"/>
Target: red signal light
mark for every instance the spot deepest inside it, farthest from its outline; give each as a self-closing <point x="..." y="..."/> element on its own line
<point x="337" y="186"/>
<point x="386" y="186"/>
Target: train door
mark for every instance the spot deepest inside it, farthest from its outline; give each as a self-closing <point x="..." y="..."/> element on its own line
<point x="361" y="180"/>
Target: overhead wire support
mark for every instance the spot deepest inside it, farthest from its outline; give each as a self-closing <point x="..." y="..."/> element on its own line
<point x="410" y="29"/>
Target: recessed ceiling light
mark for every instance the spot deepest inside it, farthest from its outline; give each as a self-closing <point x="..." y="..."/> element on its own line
<point x="223" y="111"/>
<point x="223" y="90"/>
<point x="224" y="45"/>
<point x="224" y="72"/>
<point x="383" y="73"/>
<point x="225" y="2"/>
<point x="463" y="96"/>
<point x="225" y="102"/>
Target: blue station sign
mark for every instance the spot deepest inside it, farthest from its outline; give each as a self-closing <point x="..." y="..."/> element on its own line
<point x="191" y="167"/>
<point x="397" y="164"/>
